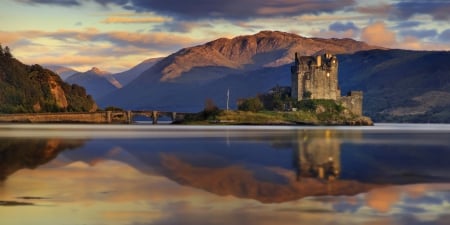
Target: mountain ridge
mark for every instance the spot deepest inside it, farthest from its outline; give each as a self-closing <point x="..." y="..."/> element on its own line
<point x="96" y="81"/>
<point x="191" y="69"/>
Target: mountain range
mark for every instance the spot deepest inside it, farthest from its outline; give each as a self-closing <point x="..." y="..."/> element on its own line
<point x="246" y="65"/>
<point x="398" y="85"/>
<point x="97" y="82"/>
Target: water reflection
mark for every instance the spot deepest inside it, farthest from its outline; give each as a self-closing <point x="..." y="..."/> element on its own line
<point x="17" y="153"/>
<point x="227" y="176"/>
<point x="317" y="155"/>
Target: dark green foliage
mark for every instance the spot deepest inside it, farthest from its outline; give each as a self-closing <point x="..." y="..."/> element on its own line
<point x="278" y="99"/>
<point x="26" y="89"/>
<point x="209" y="113"/>
<point x="307" y="94"/>
<point x="307" y="105"/>
<point x="251" y="104"/>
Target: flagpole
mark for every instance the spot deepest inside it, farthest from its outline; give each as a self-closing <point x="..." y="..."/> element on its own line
<point x="228" y="98"/>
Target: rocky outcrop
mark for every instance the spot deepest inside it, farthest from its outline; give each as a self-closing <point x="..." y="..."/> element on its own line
<point x="29" y="89"/>
<point x="58" y="93"/>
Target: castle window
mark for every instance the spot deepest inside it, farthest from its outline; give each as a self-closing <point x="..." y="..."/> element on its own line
<point x="328" y="74"/>
<point x="307" y="75"/>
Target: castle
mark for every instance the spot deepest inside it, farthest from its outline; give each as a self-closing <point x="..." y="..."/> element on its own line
<point x="316" y="77"/>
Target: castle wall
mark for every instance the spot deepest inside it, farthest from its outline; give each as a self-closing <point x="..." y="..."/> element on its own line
<point x="316" y="75"/>
<point x="353" y="102"/>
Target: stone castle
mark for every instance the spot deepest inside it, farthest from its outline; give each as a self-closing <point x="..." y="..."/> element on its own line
<point x="316" y="77"/>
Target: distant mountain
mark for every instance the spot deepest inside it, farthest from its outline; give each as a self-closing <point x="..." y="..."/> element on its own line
<point x="25" y="89"/>
<point x="62" y="71"/>
<point x="400" y="85"/>
<point x="97" y="82"/>
<point x="245" y="64"/>
<point x="127" y="76"/>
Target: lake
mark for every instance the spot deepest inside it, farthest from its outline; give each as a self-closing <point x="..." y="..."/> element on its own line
<point x="144" y="174"/>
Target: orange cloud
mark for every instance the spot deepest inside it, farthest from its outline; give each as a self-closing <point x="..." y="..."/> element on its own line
<point x="378" y="34"/>
<point x="136" y="20"/>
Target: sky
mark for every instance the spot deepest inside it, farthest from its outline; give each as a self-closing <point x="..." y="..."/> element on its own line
<point x="115" y="35"/>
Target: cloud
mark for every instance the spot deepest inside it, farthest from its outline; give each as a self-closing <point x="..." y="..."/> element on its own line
<point x="110" y="20"/>
<point x="437" y="9"/>
<point x="445" y="36"/>
<point x="52" y="2"/>
<point x="338" y="30"/>
<point x="340" y="26"/>
<point x="154" y="40"/>
<point x="82" y="49"/>
<point x="419" y="33"/>
<point x="231" y="9"/>
<point x="378" y="34"/>
<point x="180" y="26"/>
<point x="408" y="24"/>
<point x="381" y="9"/>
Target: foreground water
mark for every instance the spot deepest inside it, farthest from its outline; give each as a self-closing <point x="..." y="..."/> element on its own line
<point x="146" y="174"/>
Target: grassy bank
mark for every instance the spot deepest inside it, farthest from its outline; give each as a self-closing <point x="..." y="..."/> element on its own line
<point x="277" y="117"/>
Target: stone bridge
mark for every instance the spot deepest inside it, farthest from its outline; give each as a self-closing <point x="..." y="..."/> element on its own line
<point x="91" y="117"/>
<point x="154" y="115"/>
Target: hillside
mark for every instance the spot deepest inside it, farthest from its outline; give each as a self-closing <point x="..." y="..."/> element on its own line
<point x="26" y="88"/>
<point x="127" y="76"/>
<point x="400" y="85"/>
<point x="97" y="82"/>
<point x="246" y="65"/>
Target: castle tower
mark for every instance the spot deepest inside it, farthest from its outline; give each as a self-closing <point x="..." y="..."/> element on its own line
<point x="315" y="77"/>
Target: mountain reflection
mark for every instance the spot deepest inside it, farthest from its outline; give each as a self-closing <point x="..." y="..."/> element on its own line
<point x="17" y="153"/>
<point x="275" y="166"/>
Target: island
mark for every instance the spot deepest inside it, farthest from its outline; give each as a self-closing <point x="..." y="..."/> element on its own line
<point x="314" y="98"/>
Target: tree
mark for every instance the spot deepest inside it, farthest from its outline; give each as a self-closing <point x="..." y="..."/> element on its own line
<point x="251" y="104"/>
<point x="210" y="106"/>
<point x="1" y="50"/>
<point x="7" y="52"/>
<point x="211" y="110"/>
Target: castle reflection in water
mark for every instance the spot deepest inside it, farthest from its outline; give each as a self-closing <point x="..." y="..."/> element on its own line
<point x="316" y="154"/>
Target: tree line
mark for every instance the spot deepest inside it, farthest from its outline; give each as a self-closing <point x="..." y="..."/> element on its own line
<point x="5" y="51"/>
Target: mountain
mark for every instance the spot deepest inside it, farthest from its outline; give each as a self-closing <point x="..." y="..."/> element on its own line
<point x="25" y="89"/>
<point x="97" y="82"/>
<point x="400" y="85"/>
<point x="62" y="71"/>
<point x="127" y="76"/>
<point x="246" y="65"/>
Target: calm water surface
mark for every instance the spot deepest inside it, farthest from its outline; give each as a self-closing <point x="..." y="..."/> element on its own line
<point x="145" y="174"/>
